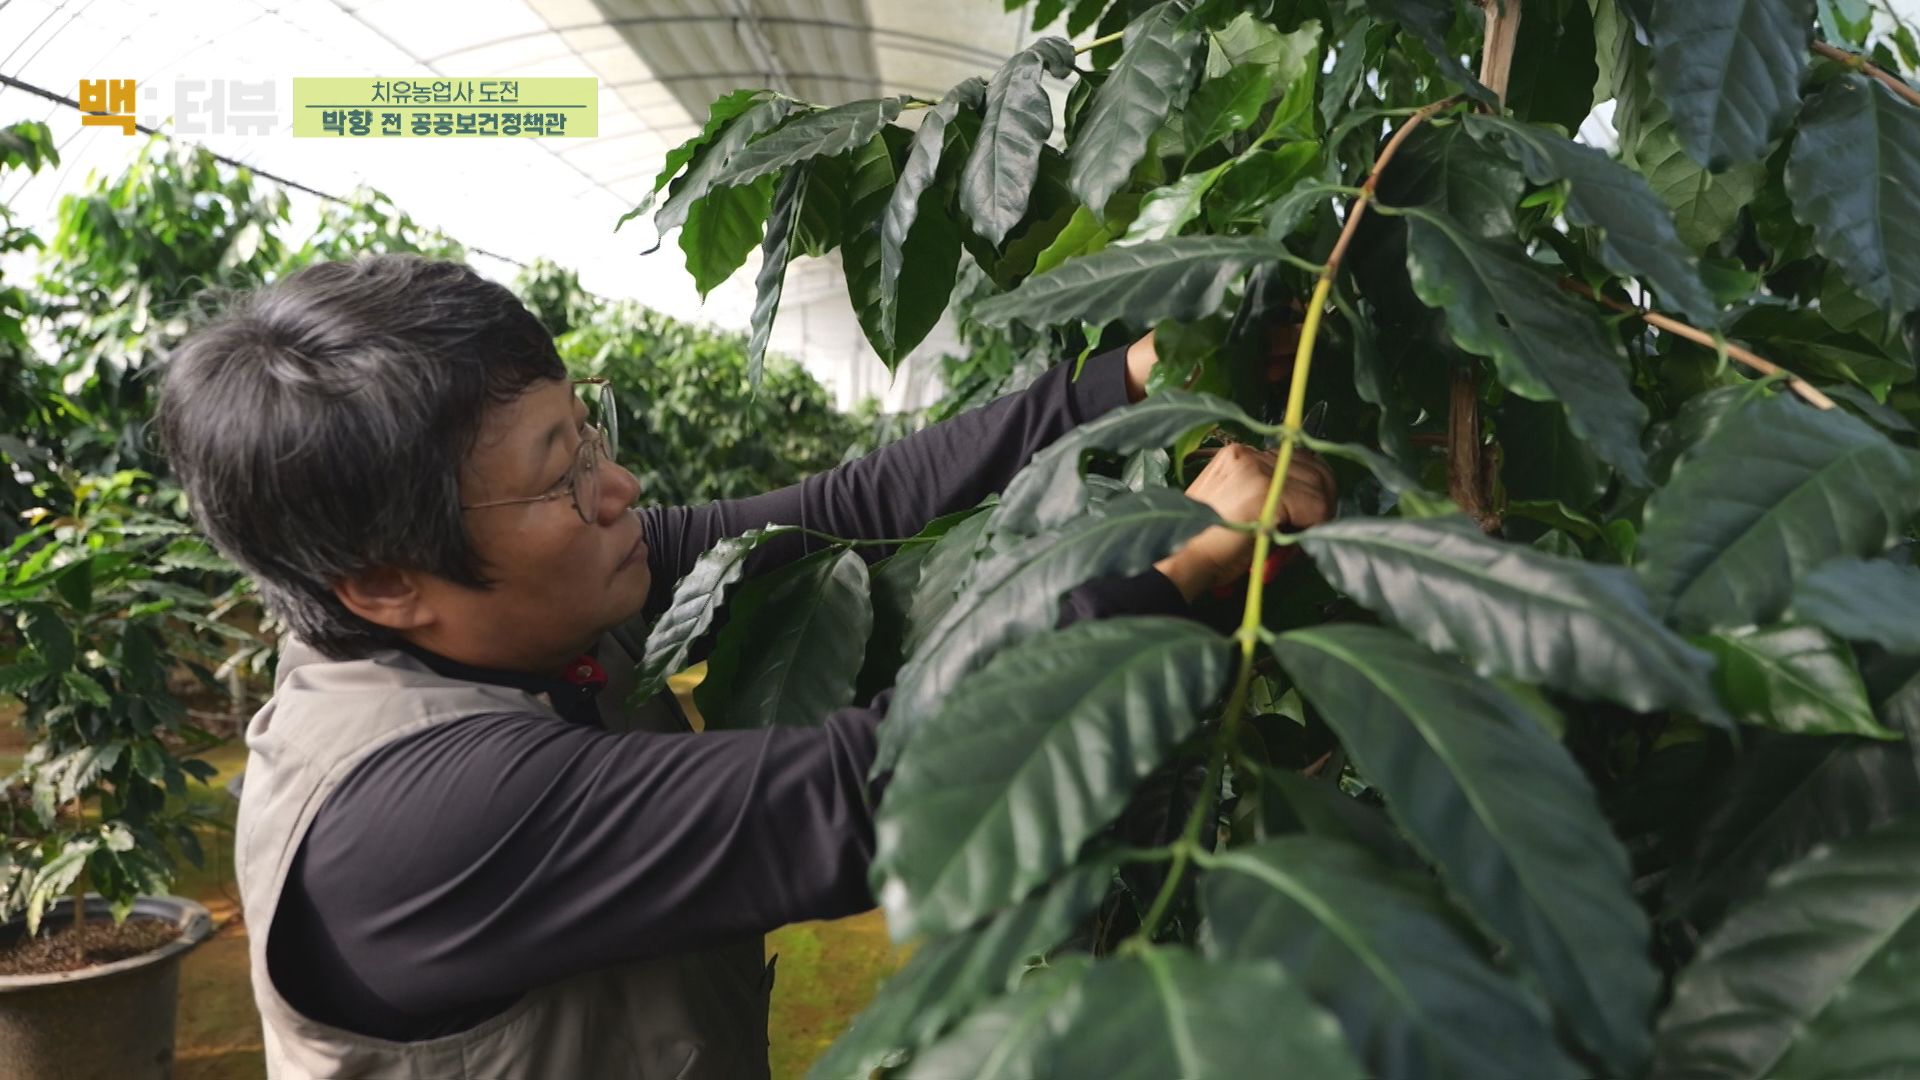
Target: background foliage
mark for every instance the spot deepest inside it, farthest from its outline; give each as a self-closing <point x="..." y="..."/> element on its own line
<point x="117" y="617"/>
<point x="1581" y="745"/>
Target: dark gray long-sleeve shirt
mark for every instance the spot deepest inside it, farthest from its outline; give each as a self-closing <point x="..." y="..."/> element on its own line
<point x="455" y="869"/>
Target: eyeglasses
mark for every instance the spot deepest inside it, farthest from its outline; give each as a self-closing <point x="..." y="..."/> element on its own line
<point x="599" y="440"/>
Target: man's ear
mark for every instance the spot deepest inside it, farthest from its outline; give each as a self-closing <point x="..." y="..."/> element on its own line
<point x="386" y="597"/>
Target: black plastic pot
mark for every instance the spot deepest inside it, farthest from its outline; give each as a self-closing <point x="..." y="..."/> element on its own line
<point x="107" y="1022"/>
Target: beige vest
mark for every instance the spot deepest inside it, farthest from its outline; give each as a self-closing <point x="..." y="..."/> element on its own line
<point x="682" y="1015"/>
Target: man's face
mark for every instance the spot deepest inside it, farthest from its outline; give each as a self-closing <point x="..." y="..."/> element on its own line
<point x="559" y="582"/>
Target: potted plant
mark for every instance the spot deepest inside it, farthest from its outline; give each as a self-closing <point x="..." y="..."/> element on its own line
<point x="93" y="817"/>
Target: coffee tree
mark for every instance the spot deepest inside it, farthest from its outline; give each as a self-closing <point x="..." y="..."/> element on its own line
<point x="1579" y="745"/>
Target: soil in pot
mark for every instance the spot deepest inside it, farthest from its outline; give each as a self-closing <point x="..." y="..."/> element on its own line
<point x="97" y="941"/>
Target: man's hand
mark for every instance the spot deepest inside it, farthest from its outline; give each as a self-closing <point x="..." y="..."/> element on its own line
<point x="1140" y="361"/>
<point x="1234" y="483"/>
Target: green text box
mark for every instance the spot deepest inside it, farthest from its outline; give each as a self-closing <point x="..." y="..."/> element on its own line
<point x="412" y="108"/>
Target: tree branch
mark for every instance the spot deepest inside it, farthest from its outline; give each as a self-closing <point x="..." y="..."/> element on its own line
<point x="1870" y="69"/>
<point x="1674" y="326"/>
<point x="1469" y="472"/>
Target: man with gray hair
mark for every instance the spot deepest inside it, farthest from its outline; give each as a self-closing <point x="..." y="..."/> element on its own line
<point x="460" y="854"/>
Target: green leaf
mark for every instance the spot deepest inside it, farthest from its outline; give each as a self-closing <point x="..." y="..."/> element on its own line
<point x="697" y="598"/>
<point x="1430" y="21"/>
<point x="1513" y="611"/>
<point x="1729" y="71"/>
<point x="1225" y="105"/>
<point x="1784" y="796"/>
<point x="1292" y="803"/>
<point x="710" y="161"/>
<point x="1855" y="177"/>
<point x="1253" y="181"/>
<point x="1864" y="600"/>
<point x="1813" y="978"/>
<point x="87" y="689"/>
<point x="895" y="581"/>
<point x="1184" y="278"/>
<point x="722" y="110"/>
<point x="1555" y="64"/>
<point x="774" y="253"/>
<point x="822" y="133"/>
<point x="791" y="647"/>
<point x="1166" y="210"/>
<point x="1794" y="679"/>
<point x="1776" y="490"/>
<point x="722" y="229"/>
<point x="1027" y="760"/>
<point x="1545" y="345"/>
<point x="1637" y="234"/>
<point x="897" y="234"/>
<point x="50" y="636"/>
<point x="821" y="224"/>
<point x="1145" y="1015"/>
<point x="1379" y="950"/>
<point x="947" y="977"/>
<point x="998" y="178"/>
<point x="1085" y="234"/>
<point x="19" y="676"/>
<point x="949" y="566"/>
<point x="1016" y="592"/>
<point x="56" y="877"/>
<point x="74" y="582"/>
<point x="1705" y="204"/>
<point x="1450" y="173"/>
<point x="1505" y="814"/>
<point x="1150" y="81"/>
<point x="1544" y="460"/>
<point x="1050" y="490"/>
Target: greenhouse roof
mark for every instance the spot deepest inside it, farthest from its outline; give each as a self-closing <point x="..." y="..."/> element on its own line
<point x="659" y="63"/>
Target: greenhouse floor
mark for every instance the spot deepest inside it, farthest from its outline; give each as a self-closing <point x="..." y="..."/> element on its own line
<point x="828" y="970"/>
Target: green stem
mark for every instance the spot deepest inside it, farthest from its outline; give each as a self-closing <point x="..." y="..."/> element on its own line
<point x="1099" y="41"/>
<point x="1250" y="633"/>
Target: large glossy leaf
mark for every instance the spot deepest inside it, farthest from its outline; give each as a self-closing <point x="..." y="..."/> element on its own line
<point x="895" y="583"/>
<point x="1150" y="80"/>
<point x="1254" y="180"/>
<point x="709" y="163"/>
<point x="723" y="229"/>
<point x="1784" y="796"/>
<point x="917" y="179"/>
<point x="1794" y="679"/>
<point x="1149" y="1014"/>
<point x="697" y="598"/>
<point x="1704" y="204"/>
<point x="1016" y="592"/>
<point x="822" y="133"/>
<point x="1855" y="177"/>
<point x="1377" y="948"/>
<point x="1029" y="758"/>
<point x="1729" y="70"/>
<point x="1812" y="979"/>
<point x="791" y="647"/>
<point x="1224" y="105"/>
<point x="1184" y="278"/>
<point x="718" y="114"/>
<point x="1166" y="210"/>
<point x="949" y="565"/>
<point x="1864" y="600"/>
<point x="949" y="976"/>
<point x="1515" y="611"/>
<point x="998" y="178"/>
<point x="775" y="250"/>
<point x="1555" y="64"/>
<point x="929" y="258"/>
<point x="1777" y="489"/>
<point x="1545" y="345"/>
<point x="1050" y="490"/>
<point x="1637" y="234"/>
<point x="1430" y="21"/>
<point x="1502" y="810"/>
<point x="1447" y="171"/>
